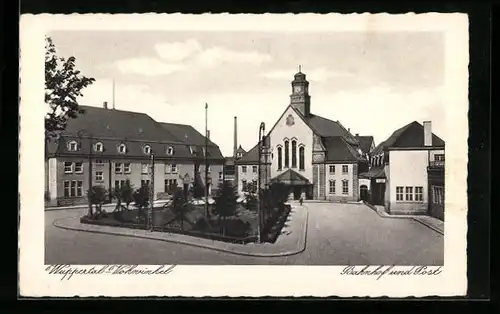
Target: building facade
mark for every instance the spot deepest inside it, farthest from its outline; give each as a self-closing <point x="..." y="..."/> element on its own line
<point x="107" y="147"/>
<point x="316" y="157"/>
<point x="407" y="172"/>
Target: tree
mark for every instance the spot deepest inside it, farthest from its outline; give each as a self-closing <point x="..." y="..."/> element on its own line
<point x="63" y="85"/>
<point x="225" y="202"/>
<point x="141" y="199"/>
<point x="124" y="194"/>
<point x="198" y="189"/>
<point x="179" y="204"/>
<point x="97" y="196"/>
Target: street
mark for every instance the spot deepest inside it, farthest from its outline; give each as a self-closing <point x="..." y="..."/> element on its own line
<point x="338" y="234"/>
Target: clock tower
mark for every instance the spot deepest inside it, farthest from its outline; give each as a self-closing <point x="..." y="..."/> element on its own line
<point x="300" y="98"/>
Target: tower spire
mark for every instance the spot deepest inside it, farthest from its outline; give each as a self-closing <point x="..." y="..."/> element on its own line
<point x="300" y="67"/>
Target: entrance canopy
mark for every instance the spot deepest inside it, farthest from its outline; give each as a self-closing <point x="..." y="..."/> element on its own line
<point x="291" y="177"/>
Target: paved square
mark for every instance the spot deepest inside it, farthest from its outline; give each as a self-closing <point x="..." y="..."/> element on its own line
<point x="338" y="234"/>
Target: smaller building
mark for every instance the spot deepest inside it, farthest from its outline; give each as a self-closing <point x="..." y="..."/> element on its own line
<point x="407" y="172"/>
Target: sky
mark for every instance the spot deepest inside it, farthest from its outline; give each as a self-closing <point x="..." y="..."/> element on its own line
<point x="373" y="83"/>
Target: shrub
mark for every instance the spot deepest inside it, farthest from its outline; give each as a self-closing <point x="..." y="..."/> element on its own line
<point x="198" y="189"/>
<point x="124" y="194"/>
<point x="179" y="203"/>
<point x="225" y="202"/>
<point x="97" y="195"/>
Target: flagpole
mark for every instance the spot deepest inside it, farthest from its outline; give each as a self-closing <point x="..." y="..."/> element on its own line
<point x="206" y="160"/>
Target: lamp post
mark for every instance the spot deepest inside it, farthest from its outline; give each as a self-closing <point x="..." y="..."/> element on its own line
<point x="262" y="129"/>
<point x="207" y="212"/>
<point x="151" y="193"/>
<point x="81" y="134"/>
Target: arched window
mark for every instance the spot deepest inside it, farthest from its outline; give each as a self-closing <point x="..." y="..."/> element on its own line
<point x="280" y="158"/>
<point x="98" y="147"/>
<point x="122" y="149"/>
<point x="170" y="150"/>
<point x="301" y="158"/>
<point x="72" y="146"/>
<point x="147" y="149"/>
<point x="294" y="154"/>
<point x="287" y="154"/>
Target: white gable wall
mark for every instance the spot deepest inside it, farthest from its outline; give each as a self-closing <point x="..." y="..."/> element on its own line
<point x="299" y="131"/>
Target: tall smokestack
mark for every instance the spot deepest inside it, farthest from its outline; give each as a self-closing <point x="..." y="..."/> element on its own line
<point x="208" y="134"/>
<point x="427" y="133"/>
<point x="235" y="145"/>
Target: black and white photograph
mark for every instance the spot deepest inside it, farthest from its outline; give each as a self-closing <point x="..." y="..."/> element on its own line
<point x="304" y="144"/>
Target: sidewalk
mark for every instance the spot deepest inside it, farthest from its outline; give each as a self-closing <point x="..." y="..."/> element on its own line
<point x="428" y="221"/>
<point x="291" y="241"/>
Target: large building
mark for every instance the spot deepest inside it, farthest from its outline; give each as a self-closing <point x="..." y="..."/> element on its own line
<point x="119" y="144"/>
<point x="317" y="157"/>
<point x="407" y="171"/>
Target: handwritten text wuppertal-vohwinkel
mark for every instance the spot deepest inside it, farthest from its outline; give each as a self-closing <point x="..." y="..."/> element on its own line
<point x="68" y="271"/>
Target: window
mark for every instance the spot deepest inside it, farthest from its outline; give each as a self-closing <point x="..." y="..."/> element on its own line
<point x="72" y="146"/>
<point x="244" y="169"/>
<point x="419" y="194"/>
<point x="119" y="183"/>
<point x="254" y="186"/>
<point x="98" y="147"/>
<point x="280" y="158"/>
<point x="79" y="167"/>
<point x="221" y="176"/>
<point x="254" y="169"/>
<point x="332" y="186"/>
<point x="144" y="168"/>
<point x="170" y="150"/>
<point x="99" y="176"/>
<point x="438" y="195"/>
<point x="399" y="193"/>
<point x="287" y="155"/>
<point x="238" y="155"/>
<point x="126" y="167"/>
<point x="68" y="167"/>
<point x="204" y="151"/>
<point x="439" y="157"/>
<point x="196" y="168"/>
<point x="294" y="154"/>
<point x="145" y="182"/>
<point x="122" y="149"/>
<point x="73" y="188"/>
<point x="244" y="185"/>
<point x="170" y="185"/>
<point x="301" y="158"/>
<point x="409" y="193"/>
<point x="332" y="169"/>
<point x="191" y="150"/>
<point x="345" y="187"/>
<point x="209" y="169"/>
<point x="173" y="168"/>
<point x="99" y="162"/>
<point x="146" y="149"/>
<point x="345" y="169"/>
<point x="118" y="167"/>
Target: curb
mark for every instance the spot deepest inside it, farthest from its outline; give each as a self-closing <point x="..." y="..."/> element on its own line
<point x="208" y="247"/>
<point x="429" y="226"/>
<point x="403" y="217"/>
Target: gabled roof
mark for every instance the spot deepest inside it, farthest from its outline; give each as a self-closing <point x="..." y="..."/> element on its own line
<point x="186" y="134"/>
<point x="113" y="127"/>
<point x="291" y="177"/>
<point x="117" y="124"/>
<point x="338" y="150"/>
<point x="365" y="143"/>
<point x="410" y="135"/>
<point x="327" y="128"/>
<point x="252" y="156"/>
<point x="241" y="150"/>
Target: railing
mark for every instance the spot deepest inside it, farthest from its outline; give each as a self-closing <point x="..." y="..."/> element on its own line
<point x="436" y="163"/>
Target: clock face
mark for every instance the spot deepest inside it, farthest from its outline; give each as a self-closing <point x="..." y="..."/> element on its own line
<point x="298" y="89"/>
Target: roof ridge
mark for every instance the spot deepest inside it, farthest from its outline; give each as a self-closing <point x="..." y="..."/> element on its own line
<point x="349" y="148"/>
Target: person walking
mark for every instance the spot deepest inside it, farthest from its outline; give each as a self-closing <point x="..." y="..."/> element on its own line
<point x="301" y="200"/>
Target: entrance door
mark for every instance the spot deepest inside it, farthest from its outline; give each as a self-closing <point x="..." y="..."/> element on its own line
<point x="363" y="191"/>
<point x="297" y="190"/>
<point x="378" y="193"/>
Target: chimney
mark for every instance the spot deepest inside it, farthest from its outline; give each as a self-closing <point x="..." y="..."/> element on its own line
<point x="357" y="134"/>
<point x="427" y="133"/>
<point x="235" y="145"/>
<point x="208" y="134"/>
<point x="105" y="105"/>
